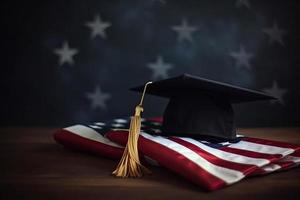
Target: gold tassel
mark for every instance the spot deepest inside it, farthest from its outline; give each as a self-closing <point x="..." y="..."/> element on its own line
<point x="130" y="165"/>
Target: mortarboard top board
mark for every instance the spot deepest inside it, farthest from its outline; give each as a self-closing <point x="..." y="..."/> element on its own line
<point x="200" y="108"/>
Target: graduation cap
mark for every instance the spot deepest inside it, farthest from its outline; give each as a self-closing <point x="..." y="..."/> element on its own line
<point x="200" y="108"/>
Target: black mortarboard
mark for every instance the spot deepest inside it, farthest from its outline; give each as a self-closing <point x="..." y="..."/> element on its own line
<point x="200" y="108"/>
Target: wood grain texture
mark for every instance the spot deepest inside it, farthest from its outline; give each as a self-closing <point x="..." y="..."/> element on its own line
<point x="33" y="166"/>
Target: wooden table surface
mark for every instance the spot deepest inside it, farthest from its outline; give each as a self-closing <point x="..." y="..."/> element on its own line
<point x="33" y="166"/>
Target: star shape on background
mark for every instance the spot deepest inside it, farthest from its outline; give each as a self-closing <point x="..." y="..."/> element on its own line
<point x="275" y="34"/>
<point x="277" y="92"/>
<point x="66" y="54"/>
<point x="242" y="58"/>
<point x="98" y="27"/>
<point x="160" y="68"/>
<point x="98" y="98"/>
<point x="241" y="3"/>
<point x="184" y="31"/>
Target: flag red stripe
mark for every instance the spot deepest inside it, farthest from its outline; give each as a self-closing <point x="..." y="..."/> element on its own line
<point x="296" y="153"/>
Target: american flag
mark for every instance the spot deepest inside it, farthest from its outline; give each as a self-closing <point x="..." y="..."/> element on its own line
<point x="210" y="165"/>
<point x="73" y="61"/>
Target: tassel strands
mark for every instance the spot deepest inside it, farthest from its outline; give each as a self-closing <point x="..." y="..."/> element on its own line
<point x="130" y="165"/>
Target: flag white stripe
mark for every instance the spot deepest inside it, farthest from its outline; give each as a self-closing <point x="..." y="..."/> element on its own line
<point x="232" y="157"/>
<point x="261" y="148"/>
<point x="227" y="175"/>
<point x="91" y="134"/>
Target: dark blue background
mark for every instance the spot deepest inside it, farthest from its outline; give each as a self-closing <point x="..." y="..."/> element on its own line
<point x="36" y="90"/>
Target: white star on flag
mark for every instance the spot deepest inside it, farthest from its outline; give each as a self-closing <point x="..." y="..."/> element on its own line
<point x="159" y="68"/>
<point x="275" y="34"/>
<point x="240" y="3"/>
<point x="98" y="98"/>
<point x="184" y="31"/>
<point x="242" y="58"/>
<point x="66" y="54"/>
<point x="277" y="92"/>
<point x="98" y="27"/>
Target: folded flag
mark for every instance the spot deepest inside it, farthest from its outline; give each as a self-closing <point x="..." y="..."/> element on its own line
<point x="209" y="164"/>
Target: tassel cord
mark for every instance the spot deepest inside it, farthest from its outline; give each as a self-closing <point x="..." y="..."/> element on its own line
<point x="130" y="165"/>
